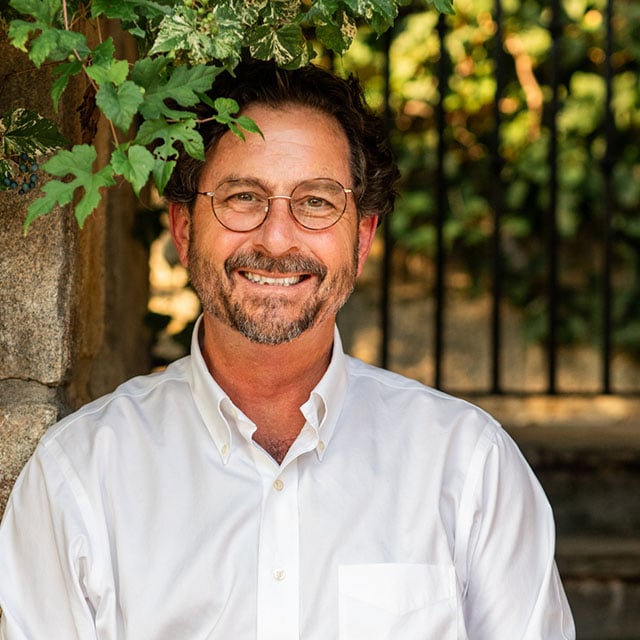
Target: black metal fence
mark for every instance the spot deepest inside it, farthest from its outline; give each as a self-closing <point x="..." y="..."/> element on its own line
<point x="607" y="209"/>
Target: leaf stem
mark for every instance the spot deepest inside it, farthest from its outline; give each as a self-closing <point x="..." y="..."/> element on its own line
<point x="65" y="13"/>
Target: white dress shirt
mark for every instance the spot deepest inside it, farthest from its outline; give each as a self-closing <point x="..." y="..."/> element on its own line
<point x="399" y="513"/>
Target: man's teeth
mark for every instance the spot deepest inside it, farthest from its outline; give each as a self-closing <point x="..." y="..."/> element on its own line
<point x="282" y="282"/>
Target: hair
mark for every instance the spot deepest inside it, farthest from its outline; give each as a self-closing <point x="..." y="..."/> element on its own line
<point x="373" y="168"/>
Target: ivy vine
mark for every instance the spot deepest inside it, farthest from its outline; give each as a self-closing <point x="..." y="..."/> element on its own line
<point x="183" y="46"/>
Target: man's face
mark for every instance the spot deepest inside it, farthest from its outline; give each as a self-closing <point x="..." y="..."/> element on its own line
<point x="276" y="281"/>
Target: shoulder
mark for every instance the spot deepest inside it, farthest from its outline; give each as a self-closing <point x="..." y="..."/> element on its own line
<point x="139" y="400"/>
<point x="390" y="393"/>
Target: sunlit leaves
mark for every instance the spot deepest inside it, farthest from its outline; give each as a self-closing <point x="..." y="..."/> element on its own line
<point x="76" y="164"/>
<point x="134" y="163"/>
<point x="187" y="35"/>
<point x="183" y="45"/>
<point x="286" y="45"/>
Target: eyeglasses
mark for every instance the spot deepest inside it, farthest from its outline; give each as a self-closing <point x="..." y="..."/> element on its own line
<point x="243" y="205"/>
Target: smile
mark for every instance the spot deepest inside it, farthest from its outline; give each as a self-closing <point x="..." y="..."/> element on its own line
<point x="282" y="282"/>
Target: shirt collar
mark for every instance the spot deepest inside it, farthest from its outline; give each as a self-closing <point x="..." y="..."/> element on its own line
<point x="224" y="420"/>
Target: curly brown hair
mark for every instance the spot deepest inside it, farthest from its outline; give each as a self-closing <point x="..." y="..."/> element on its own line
<point x="374" y="170"/>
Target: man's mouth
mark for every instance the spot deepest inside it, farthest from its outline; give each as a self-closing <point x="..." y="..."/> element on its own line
<point x="286" y="281"/>
<point x="283" y="271"/>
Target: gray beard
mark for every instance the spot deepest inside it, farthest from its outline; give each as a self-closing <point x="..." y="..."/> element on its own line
<point x="266" y="326"/>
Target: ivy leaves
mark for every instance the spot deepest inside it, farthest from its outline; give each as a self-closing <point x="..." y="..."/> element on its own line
<point x="183" y="45"/>
<point x="79" y="163"/>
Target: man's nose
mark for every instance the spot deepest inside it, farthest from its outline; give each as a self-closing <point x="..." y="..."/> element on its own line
<point x="279" y="233"/>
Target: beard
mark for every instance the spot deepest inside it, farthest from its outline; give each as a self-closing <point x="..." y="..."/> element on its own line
<point x="269" y="318"/>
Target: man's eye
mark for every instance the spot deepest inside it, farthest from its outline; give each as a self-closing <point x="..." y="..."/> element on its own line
<point x="316" y="202"/>
<point x="244" y="200"/>
<point x="244" y="196"/>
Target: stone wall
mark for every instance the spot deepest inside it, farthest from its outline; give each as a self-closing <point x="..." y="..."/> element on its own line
<point x="72" y="303"/>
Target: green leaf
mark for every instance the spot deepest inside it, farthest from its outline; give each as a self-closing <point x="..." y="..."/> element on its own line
<point x="335" y="37"/>
<point x="162" y="170"/>
<point x="78" y="162"/>
<point x="135" y="166"/>
<point x="384" y="15"/>
<point x="79" y="159"/>
<point x="28" y="132"/>
<point x="248" y="125"/>
<point x="92" y="196"/>
<point x="20" y="32"/>
<point x="149" y="72"/>
<point x="171" y="133"/>
<point x="443" y="6"/>
<point x="183" y="86"/>
<point x="52" y="44"/>
<point x="104" y="53"/>
<point x="187" y="37"/>
<point x="285" y="46"/>
<point x="42" y="10"/>
<point x="64" y="72"/>
<point x="128" y="10"/>
<point x="381" y="14"/>
<point x="56" y="193"/>
<point x="225" y="110"/>
<point x="120" y="104"/>
<point x="175" y="30"/>
<point x="333" y="26"/>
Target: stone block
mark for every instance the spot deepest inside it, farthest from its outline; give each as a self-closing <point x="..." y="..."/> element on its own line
<point x="27" y="409"/>
<point x="34" y="283"/>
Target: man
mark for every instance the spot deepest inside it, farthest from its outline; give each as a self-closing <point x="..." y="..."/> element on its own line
<point x="268" y="486"/>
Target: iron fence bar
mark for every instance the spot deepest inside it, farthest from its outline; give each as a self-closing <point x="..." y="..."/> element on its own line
<point x="441" y="204"/>
<point x="607" y="171"/>
<point x="497" y="196"/>
<point x="555" y="29"/>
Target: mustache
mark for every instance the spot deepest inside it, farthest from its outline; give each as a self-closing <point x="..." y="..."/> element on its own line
<point x="290" y="263"/>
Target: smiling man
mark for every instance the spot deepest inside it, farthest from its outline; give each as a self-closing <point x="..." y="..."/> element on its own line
<point x="268" y="486"/>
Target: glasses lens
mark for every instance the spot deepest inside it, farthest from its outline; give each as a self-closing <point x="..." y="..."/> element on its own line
<point x="240" y="205"/>
<point x="318" y="204"/>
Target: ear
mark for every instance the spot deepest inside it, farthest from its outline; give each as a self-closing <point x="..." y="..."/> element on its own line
<point x="366" y="232"/>
<point x="180" y="225"/>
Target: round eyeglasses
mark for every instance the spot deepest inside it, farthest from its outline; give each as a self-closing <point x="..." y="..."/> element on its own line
<point x="243" y="205"/>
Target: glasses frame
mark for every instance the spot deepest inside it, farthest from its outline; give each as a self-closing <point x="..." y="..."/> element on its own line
<point x="267" y="209"/>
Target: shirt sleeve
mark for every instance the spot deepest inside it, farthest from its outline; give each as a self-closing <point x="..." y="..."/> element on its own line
<point x="44" y="558"/>
<point x="505" y="548"/>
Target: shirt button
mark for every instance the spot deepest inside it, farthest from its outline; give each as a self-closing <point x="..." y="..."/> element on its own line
<point x="278" y="485"/>
<point x="225" y="449"/>
<point x="279" y="575"/>
<point x="321" y="446"/>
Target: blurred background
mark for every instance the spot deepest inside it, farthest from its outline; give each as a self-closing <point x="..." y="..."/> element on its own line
<point x="510" y="271"/>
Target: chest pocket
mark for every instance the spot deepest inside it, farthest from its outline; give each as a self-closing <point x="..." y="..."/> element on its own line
<point x="397" y="602"/>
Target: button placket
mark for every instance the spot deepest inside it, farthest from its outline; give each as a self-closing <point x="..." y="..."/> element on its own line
<point x="278" y="559"/>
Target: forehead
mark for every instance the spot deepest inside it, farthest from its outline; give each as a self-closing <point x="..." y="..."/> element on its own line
<point x="297" y="143"/>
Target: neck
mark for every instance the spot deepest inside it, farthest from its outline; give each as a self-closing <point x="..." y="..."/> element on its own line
<point x="268" y="383"/>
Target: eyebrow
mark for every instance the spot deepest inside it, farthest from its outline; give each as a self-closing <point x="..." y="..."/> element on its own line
<point x="242" y="180"/>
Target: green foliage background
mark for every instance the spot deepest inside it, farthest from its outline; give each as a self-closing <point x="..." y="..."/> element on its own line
<point x="524" y="142"/>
